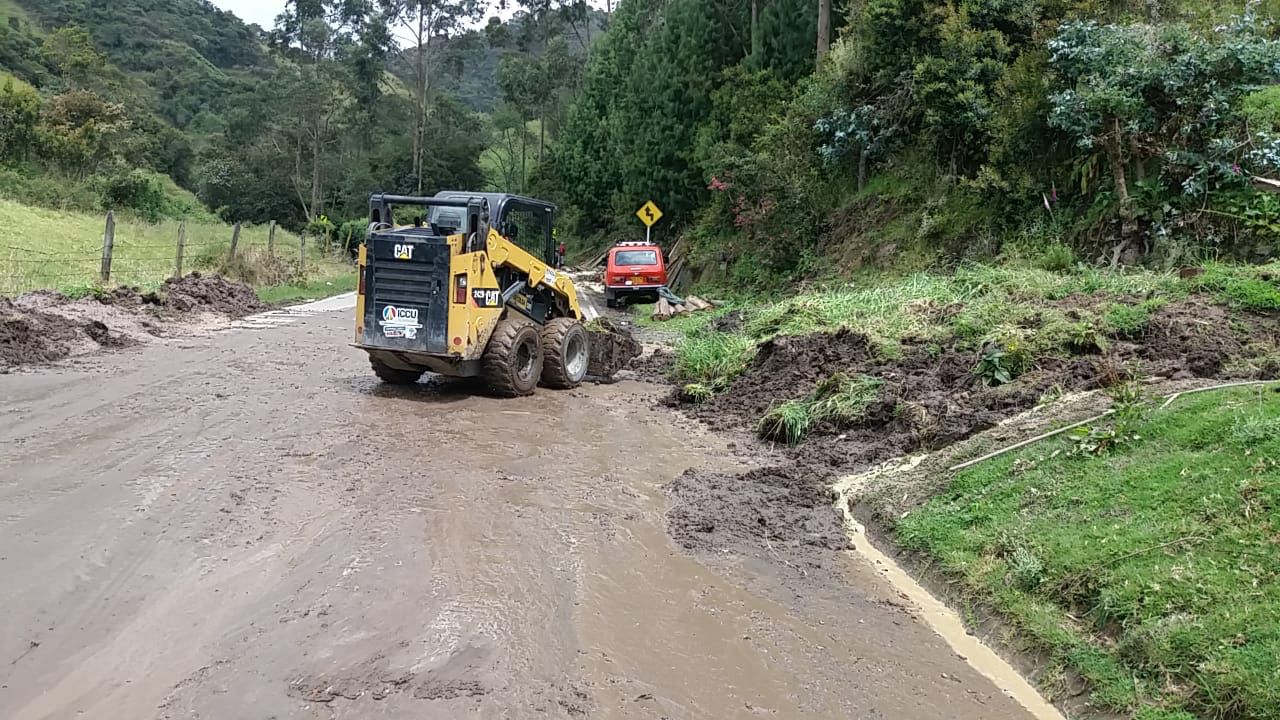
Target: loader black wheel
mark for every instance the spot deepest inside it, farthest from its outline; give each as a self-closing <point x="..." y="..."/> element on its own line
<point x="566" y="353"/>
<point x="394" y="376"/>
<point x="512" y="362"/>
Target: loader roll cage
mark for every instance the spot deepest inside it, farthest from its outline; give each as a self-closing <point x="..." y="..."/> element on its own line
<point x="524" y="221"/>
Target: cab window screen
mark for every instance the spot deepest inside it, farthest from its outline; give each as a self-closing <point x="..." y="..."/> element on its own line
<point x="527" y="227"/>
<point x="636" y="257"/>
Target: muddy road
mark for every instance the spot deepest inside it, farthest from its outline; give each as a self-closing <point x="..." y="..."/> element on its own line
<point x="247" y="525"/>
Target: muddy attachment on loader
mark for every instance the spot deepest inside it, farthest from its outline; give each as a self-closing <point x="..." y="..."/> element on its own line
<point x="612" y="348"/>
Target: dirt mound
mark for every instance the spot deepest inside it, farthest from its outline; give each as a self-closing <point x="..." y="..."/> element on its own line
<point x="784" y="368"/>
<point x="930" y="397"/>
<point x="782" y="512"/>
<point x="33" y="337"/>
<point x="44" y="326"/>
<point x="209" y="293"/>
<point x="655" y="366"/>
<point x="1196" y="339"/>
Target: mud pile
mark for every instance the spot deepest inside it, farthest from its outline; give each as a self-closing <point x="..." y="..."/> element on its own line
<point x="930" y="399"/>
<point x="209" y="293"/>
<point x="45" y="326"/>
<point x="32" y="337"/>
<point x="782" y="512"/>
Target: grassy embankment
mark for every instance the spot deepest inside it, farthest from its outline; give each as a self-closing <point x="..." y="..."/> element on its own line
<point x="1143" y="559"/>
<point x="59" y="250"/>
<point x="1020" y="315"/>
<point x="1150" y="570"/>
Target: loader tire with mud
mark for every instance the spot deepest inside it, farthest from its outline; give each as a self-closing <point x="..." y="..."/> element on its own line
<point x="512" y="363"/>
<point x="394" y="376"/>
<point x="566" y="353"/>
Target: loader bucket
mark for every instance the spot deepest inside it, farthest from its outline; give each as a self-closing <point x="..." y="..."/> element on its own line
<point x="612" y="348"/>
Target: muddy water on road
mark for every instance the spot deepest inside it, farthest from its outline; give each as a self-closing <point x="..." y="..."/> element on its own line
<point x="248" y="526"/>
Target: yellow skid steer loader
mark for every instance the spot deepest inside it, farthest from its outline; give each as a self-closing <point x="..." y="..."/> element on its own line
<point x="465" y="289"/>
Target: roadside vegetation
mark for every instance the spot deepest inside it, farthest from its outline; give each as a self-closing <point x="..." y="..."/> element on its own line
<point x="1145" y="566"/>
<point x="62" y="250"/>
<point x="1011" y="316"/>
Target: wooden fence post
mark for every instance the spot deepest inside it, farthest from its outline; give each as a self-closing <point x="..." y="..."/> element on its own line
<point x="182" y="242"/>
<point x="108" y="246"/>
<point x="271" y="240"/>
<point x="235" y="239"/>
<point x="302" y="253"/>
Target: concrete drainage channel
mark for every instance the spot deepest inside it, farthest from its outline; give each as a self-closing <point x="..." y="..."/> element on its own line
<point x="937" y="615"/>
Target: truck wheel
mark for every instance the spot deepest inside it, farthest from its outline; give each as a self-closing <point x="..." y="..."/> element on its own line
<point x="566" y="353"/>
<point x="512" y="362"/>
<point x="394" y="376"/>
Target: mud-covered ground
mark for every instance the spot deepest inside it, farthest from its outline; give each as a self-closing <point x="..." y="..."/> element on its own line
<point x="45" y="326"/>
<point x="246" y="524"/>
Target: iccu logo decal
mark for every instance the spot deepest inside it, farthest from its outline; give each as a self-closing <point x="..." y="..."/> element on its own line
<point x="400" y="322"/>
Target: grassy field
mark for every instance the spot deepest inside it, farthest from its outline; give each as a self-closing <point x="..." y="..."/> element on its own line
<point x="1151" y="569"/>
<point x="51" y="249"/>
<point x="308" y="290"/>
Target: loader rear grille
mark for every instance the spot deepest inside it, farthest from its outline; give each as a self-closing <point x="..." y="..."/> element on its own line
<point x="410" y="284"/>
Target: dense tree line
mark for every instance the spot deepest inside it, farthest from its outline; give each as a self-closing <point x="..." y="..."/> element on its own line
<point x="1127" y="131"/>
<point x="122" y="102"/>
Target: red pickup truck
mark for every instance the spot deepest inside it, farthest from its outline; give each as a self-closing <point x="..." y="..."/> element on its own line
<point x="634" y="273"/>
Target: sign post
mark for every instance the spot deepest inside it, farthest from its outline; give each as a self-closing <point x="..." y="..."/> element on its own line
<point x="649" y="215"/>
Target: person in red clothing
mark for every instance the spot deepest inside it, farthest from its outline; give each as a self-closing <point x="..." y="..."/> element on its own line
<point x="560" y="251"/>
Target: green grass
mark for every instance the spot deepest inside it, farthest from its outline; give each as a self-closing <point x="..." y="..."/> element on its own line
<point x="312" y="289"/>
<point x="1249" y="288"/>
<point x="1151" y="571"/>
<point x="712" y="359"/>
<point x="984" y="299"/>
<point x="53" y="249"/>
<point x="840" y="399"/>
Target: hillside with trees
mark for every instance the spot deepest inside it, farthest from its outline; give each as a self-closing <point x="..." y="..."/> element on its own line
<point x="175" y="108"/>
<point x="1105" y="132"/>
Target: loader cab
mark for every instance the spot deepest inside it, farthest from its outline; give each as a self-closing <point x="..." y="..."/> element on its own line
<point x="524" y="221"/>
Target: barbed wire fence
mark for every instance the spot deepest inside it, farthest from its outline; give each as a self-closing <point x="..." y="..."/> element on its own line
<point x="139" y="255"/>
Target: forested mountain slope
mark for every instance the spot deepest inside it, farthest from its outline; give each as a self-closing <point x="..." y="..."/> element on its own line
<point x="111" y="103"/>
<point x="933" y="130"/>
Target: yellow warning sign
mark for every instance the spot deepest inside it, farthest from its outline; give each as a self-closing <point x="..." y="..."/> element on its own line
<point x="649" y="214"/>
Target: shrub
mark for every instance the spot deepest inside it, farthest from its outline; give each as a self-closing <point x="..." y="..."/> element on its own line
<point x="1056" y="258"/>
<point x="136" y="190"/>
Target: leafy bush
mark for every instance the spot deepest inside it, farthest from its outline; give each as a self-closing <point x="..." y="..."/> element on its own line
<point x="351" y="234"/>
<point x="1057" y="258"/>
<point x="136" y="190"/>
